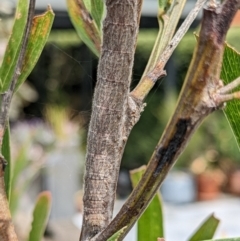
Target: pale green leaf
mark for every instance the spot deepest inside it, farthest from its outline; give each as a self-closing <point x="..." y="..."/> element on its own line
<point x="169" y="13"/>
<point x="206" y="230"/>
<point x="88" y="5"/>
<point x="150" y="224"/>
<point x="116" y="235"/>
<point x="40" y="216"/>
<point x="21" y="162"/>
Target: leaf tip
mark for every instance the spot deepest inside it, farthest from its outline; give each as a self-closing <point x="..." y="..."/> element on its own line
<point x="45" y="195"/>
<point x="49" y="9"/>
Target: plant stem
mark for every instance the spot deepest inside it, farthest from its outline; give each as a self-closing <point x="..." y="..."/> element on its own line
<point x="196" y="101"/>
<point x="106" y="139"/>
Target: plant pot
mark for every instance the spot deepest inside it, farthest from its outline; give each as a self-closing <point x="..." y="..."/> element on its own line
<point x="234" y="182"/>
<point x="209" y="184"/>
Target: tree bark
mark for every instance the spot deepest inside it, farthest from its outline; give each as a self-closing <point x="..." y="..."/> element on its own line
<point x="107" y="130"/>
<point x="200" y="96"/>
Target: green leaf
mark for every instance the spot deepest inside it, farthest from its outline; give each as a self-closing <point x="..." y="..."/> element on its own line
<point x="116" y="235"/>
<point x="206" y="230"/>
<point x="40" y="30"/>
<point x="169" y="13"/>
<point x="20" y="164"/>
<point x="88" y="5"/>
<point x="13" y="47"/>
<point x="164" y="5"/>
<point x="6" y="151"/>
<point x="230" y="71"/>
<point x="150" y="225"/>
<point x="84" y="25"/>
<point x="40" y="216"/>
<point x="97" y="9"/>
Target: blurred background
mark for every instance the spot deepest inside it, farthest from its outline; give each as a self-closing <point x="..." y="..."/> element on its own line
<point x="50" y="114"/>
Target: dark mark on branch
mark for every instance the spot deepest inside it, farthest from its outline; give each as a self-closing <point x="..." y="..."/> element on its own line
<point x="166" y="154"/>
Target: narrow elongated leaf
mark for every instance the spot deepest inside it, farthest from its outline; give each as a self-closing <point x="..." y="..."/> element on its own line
<point x="13" y="47"/>
<point x="97" y="8"/>
<point x="84" y="25"/>
<point x="150" y="225"/>
<point x="38" y="37"/>
<point x="230" y="71"/>
<point x="6" y="151"/>
<point x="206" y="230"/>
<point x="40" y="216"/>
<point x="169" y="13"/>
<point x="116" y="235"/>
<point x="21" y="162"/>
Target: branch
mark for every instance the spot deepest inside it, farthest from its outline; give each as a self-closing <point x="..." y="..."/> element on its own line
<point x="197" y="100"/>
<point x="157" y="71"/>
<point x="7" y="232"/>
<point x="106" y="139"/>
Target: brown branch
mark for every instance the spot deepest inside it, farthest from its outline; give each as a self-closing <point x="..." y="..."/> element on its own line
<point x="197" y="100"/>
<point x="106" y="139"/>
<point x="7" y="232"/>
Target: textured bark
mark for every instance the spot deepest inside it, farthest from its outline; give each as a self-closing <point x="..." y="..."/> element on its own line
<point x="200" y="96"/>
<point x="107" y="131"/>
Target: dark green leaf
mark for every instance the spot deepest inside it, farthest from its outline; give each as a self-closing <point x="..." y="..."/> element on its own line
<point x="150" y="225"/>
<point x="206" y="230"/>
<point x="13" y="47"/>
<point x="230" y="71"/>
<point x="40" y="216"/>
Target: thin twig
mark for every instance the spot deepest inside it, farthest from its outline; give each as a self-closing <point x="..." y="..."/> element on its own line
<point x="229" y="87"/>
<point x="148" y="81"/>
